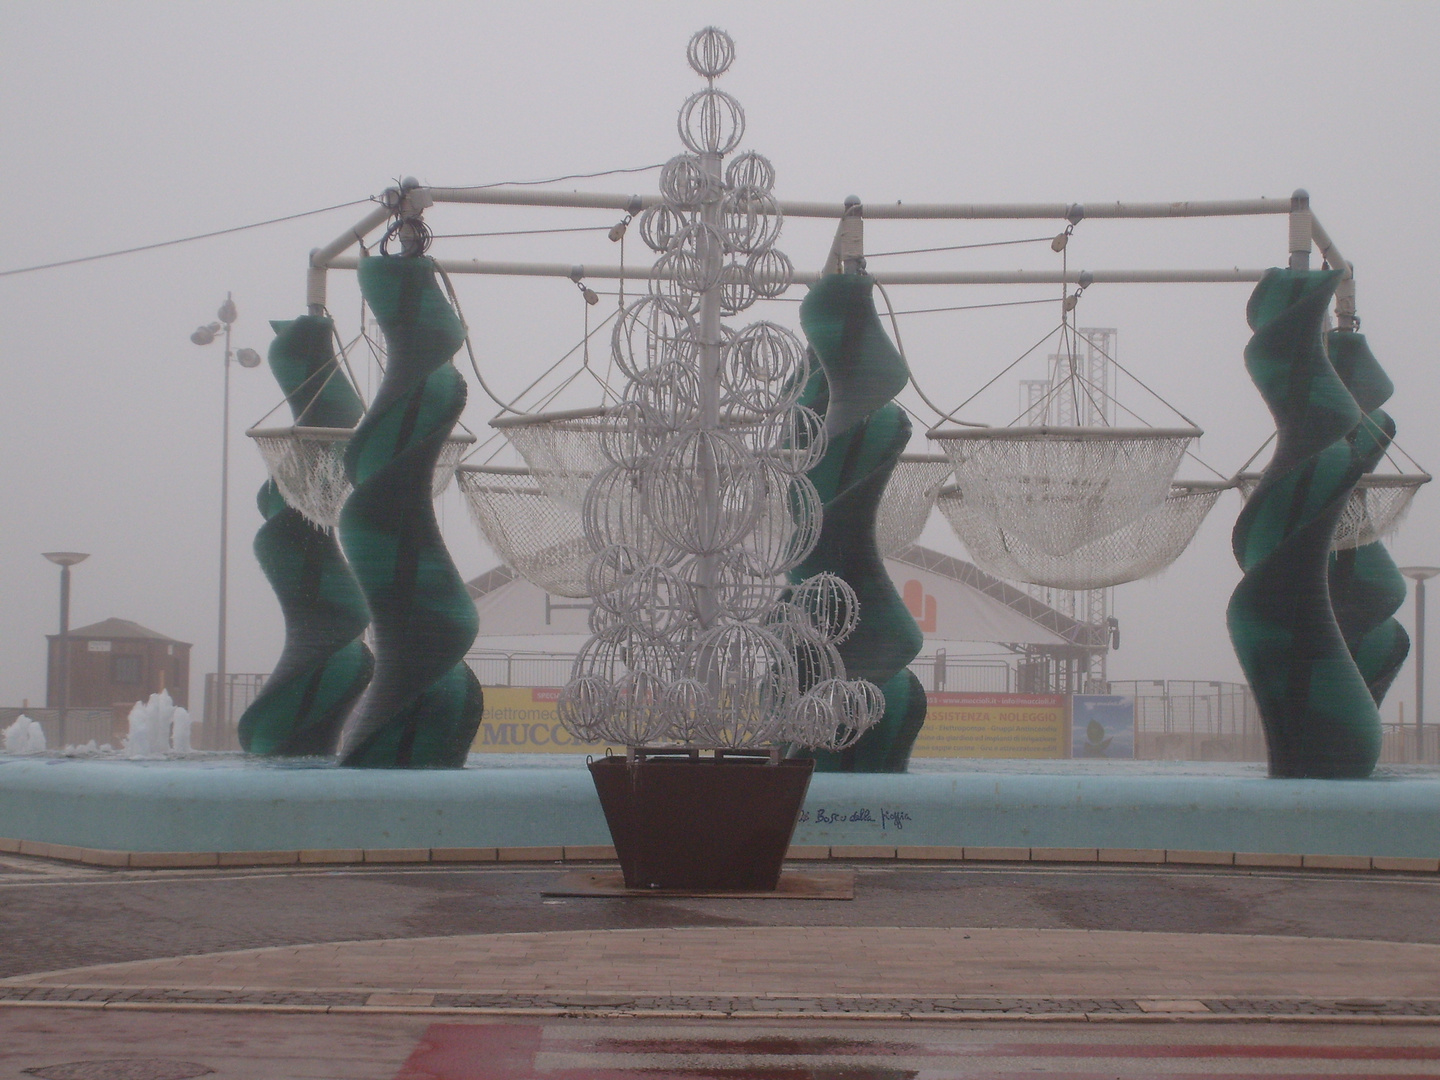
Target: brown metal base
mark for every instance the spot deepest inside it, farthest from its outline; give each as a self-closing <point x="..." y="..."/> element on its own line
<point x="711" y="824"/>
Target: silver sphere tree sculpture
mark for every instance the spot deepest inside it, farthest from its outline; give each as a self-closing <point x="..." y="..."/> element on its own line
<point x="701" y="503"/>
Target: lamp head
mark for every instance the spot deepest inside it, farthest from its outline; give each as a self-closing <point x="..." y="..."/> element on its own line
<point x="1420" y="573"/>
<point x="247" y="358"/>
<point x="227" y="312"/>
<point x="66" y="558"/>
<point x="204" y="335"/>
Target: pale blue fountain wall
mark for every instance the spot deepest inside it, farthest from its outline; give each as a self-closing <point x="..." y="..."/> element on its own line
<point x="224" y="806"/>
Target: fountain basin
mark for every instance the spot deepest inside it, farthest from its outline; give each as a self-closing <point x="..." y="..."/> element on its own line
<point x="230" y="804"/>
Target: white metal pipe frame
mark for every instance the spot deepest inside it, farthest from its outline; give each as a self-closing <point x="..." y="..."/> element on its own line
<point x="1303" y="228"/>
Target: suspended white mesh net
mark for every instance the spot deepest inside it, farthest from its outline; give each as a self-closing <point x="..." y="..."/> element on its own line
<point x="537" y="536"/>
<point x="1057" y="489"/>
<point x="308" y="466"/>
<point x="1376" y="508"/>
<point x="562" y="450"/>
<point x="909" y="497"/>
<point x="1137" y="550"/>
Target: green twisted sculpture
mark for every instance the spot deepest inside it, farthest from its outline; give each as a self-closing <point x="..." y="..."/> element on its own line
<point x="423" y="706"/>
<point x="859" y="371"/>
<point x="1319" y="717"/>
<point x="324" y="666"/>
<point x="1366" y="587"/>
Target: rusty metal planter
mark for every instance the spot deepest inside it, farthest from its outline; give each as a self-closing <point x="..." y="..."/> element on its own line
<point x="682" y="821"/>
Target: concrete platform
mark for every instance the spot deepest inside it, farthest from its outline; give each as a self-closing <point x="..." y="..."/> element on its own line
<point x="229" y="805"/>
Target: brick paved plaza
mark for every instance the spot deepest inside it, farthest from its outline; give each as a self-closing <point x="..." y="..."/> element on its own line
<point x="934" y="970"/>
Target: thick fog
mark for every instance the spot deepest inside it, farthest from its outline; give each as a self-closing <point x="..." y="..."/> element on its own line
<point x="129" y="124"/>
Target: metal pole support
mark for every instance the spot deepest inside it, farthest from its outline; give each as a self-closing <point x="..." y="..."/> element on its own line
<point x="1302" y="233"/>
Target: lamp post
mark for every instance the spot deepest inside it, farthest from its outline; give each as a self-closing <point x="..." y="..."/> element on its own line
<point x="1419" y="575"/>
<point x="248" y="358"/>
<point x="64" y="560"/>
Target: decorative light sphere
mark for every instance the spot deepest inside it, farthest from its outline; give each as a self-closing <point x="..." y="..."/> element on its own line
<point x="711" y="52"/>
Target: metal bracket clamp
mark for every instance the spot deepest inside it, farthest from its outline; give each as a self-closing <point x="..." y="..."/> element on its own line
<point x="1302" y="232"/>
<point x="847" y="251"/>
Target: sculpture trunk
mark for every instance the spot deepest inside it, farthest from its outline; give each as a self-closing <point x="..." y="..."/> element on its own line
<point x="423" y="706"/>
<point x="1318" y="714"/>
<point x="1366" y="587"/>
<point x="859" y="372"/>
<point x="324" y="666"/>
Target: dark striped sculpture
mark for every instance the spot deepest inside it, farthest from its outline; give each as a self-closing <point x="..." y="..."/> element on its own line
<point x="422" y="707"/>
<point x="1366" y="587"/>
<point x="323" y="666"/>
<point x="859" y="372"/>
<point x="1319" y="717"/>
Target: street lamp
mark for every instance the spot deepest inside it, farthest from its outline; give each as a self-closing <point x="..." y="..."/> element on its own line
<point x="64" y="560"/>
<point x="247" y="358"/>
<point x="1419" y="575"/>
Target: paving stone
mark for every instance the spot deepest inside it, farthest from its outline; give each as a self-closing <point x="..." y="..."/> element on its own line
<point x="1337" y="862"/>
<point x="589" y="853"/>
<point x="997" y="854"/>
<point x="807" y="851"/>
<point x="332" y="855"/>
<point x="397" y="855"/>
<point x="1063" y="854"/>
<point x="862" y="851"/>
<point x="1200" y="858"/>
<point x="530" y="854"/>
<point x="462" y="854"/>
<point x="1131" y="855"/>
<point x="1396" y="862"/>
<point x="954" y="854"/>
<point x="257" y="858"/>
<point x="1259" y="858"/>
<point x="157" y="860"/>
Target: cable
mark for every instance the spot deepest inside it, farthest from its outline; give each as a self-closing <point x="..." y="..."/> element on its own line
<point x="557" y="179"/>
<point x="900" y="347"/>
<point x="181" y="240"/>
<point x="520" y="232"/>
<point x="977" y="307"/>
<point x="958" y="247"/>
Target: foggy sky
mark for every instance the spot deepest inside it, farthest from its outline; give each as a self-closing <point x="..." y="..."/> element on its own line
<point x="125" y="124"/>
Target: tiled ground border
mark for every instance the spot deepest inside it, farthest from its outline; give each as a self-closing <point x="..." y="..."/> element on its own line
<point x="604" y="853"/>
<point x="737" y="1007"/>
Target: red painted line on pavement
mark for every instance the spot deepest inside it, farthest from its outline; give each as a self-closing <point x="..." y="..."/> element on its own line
<point x="509" y="1051"/>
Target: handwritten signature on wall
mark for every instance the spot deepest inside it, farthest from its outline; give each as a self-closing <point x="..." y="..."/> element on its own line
<point x="888" y="819"/>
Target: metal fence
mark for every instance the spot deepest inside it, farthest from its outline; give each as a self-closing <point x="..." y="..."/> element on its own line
<point x="1192" y="720"/>
<point x="223" y="711"/>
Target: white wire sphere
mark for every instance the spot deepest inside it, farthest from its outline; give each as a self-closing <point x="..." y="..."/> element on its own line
<point x="787" y="526"/>
<point x="751" y="171"/>
<point x="616" y="653"/>
<point x="829" y="604"/>
<point x="614" y="515"/>
<point x="655" y="600"/>
<point x="583" y="705"/>
<point x="741" y="590"/>
<point x="736" y="290"/>
<point x="648" y="334"/>
<point x="837" y="712"/>
<point x="760" y="372"/>
<point x="711" y="122"/>
<point x="685" y="185"/>
<point x="669" y="401"/>
<point x="815" y="659"/>
<point x="771" y="272"/>
<point x="750" y="220"/>
<point x="687" y="710"/>
<point x="751" y="681"/>
<point x="622" y="439"/>
<point x="793" y="439"/>
<point x="690" y="266"/>
<point x="637" y="713"/>
<point x="703" y="491"/>
<point x="661" y="223"/>
<point x="611" y="567"/>
<point x="710" y="52"/>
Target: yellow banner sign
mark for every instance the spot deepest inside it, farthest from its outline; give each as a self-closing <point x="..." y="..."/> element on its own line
<point x="995" y="726"/>
<point x="523" y="720"/>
